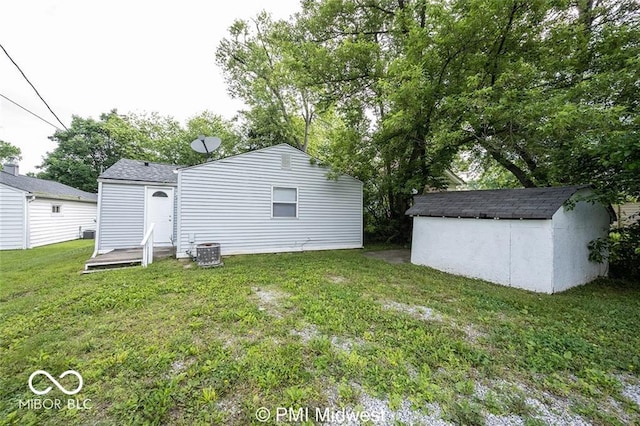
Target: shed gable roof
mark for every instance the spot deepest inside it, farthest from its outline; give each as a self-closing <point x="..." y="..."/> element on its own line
<point x="45" y="188"/>
<point x="525" y="203"/>
<point x="143" y="171"/>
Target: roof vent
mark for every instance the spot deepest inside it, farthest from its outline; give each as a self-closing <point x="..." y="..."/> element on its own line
<point x="285" y="161"/>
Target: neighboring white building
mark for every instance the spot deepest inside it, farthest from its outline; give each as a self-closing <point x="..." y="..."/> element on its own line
<point x="525" y="238"/>
<point x="627" y="213"/>
<point x="275" y="199"/>
<point x="35" y="212"/>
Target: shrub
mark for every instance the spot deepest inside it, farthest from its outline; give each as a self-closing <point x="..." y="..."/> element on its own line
<point x="622" y="249"/>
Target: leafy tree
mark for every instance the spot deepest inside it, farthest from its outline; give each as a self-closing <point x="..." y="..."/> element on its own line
<point x="166" y="141"/>
<point x="543" y="90"/>
<point x="9" y="152"/>
<point x="91" y="146"/>
<point x="84" y="150"/>
<point x="261" y="61"/>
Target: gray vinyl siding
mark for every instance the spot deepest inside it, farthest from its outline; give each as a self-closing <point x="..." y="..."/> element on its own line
<point x="46" y="227"/>
<point x="229" y="202"/>
<point x="121" y="216"/>
<point x="12" y="218"/>
<point x="627" y="214"/>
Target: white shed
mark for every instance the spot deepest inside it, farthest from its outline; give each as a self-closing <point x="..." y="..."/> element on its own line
<point x="527" y="238"/>
<point x="35" y="212"/>
<point x="275" y="199"/>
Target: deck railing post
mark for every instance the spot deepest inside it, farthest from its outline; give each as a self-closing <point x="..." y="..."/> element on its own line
<point x="147" y="247"/>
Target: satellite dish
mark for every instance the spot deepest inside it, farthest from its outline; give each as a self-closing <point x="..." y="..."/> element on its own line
<point x="205" y="145"/>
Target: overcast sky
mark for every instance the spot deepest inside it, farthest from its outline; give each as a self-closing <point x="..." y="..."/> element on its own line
<point x="88" y="57"/>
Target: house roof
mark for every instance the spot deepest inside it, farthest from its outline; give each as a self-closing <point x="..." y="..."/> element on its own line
<point x="268" y="148"/>
<point x="136" y="170"/>
<point x="45" y="188"/>
<point x="525" y="203"/>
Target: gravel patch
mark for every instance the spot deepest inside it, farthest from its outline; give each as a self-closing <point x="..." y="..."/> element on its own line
<point x="554" y="410"/>
<point x="630" y="388"/>
<point x="178" y="366"/>
<point x="472" y="333"/>
<point x="270" y="300"/>
<point x="311" y="332"/>
<point x="416" y="311"/>
<point x="382" y="414"/>
<point x="494" y="420"/>
<point x="337" y="279"/>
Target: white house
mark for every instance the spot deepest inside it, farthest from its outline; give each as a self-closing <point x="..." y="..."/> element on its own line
<point x="275" y="199"/>
<point x="527" y="238"/>
<point x="36" y="212"/>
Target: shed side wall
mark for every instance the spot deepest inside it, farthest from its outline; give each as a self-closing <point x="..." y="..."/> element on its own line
<point x="121" y="216"/>
<point x="531" y="259"/>
<point x="229" y="202"/>
<point x="573" y="230"/>
<point x="46" y="227"/>
<point x="507" y="252"/>
<point x="12" y="218"/>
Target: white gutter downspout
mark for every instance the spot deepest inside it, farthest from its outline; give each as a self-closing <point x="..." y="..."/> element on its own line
<point x="97" y="236"/>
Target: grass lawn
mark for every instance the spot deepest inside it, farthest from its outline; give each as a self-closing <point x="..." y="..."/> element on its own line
<point x="334" y="330"/>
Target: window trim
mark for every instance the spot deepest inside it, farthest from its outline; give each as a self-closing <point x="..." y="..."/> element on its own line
<point x="53" y="208"/>
<point x="273" y="187"/>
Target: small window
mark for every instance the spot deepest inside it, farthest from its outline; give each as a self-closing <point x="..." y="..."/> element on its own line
<point x="161" y="194"/>
<point x="55" y="208"/>
<point x="285" y="202"/>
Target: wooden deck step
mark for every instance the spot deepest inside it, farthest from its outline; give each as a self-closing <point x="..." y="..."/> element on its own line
<point x="124" y="258"/>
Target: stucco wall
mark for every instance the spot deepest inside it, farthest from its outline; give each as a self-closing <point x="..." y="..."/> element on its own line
<point x="516" y="253"/>
<point x="573" y="229"/>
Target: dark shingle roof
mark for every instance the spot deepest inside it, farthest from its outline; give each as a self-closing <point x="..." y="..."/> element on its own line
<point x="137" y="170"/>
<point x="45" y="188"/>
<point x="526" y="203"/>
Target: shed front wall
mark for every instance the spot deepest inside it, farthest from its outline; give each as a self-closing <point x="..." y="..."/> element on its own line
<point x="46" y="227"/>
<point x="515" y="253"/>
<point x="229" y="202"/>
<point x="121" y="216"/>
<point x="12" y="218"/>
<point x="573" y="229"/>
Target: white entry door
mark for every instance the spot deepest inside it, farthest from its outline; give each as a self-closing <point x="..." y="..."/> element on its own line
<point x="160" y="213"/>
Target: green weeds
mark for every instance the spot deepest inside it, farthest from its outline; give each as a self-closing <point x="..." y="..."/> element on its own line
<point x="167" y="344"/>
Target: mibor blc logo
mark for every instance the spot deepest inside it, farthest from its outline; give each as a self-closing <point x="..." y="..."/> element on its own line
<point x="54" y="403"/>
<point x="55" y="382"/>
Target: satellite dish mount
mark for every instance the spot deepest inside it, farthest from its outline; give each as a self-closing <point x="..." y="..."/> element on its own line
<point x="206" y="145"/>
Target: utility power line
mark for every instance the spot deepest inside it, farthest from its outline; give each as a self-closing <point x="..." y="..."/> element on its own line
<point x="30" y="112"/>
<point x="34" y="88"/>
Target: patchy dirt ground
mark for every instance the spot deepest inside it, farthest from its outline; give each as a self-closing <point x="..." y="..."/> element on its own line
<point x="394" y="257"/>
